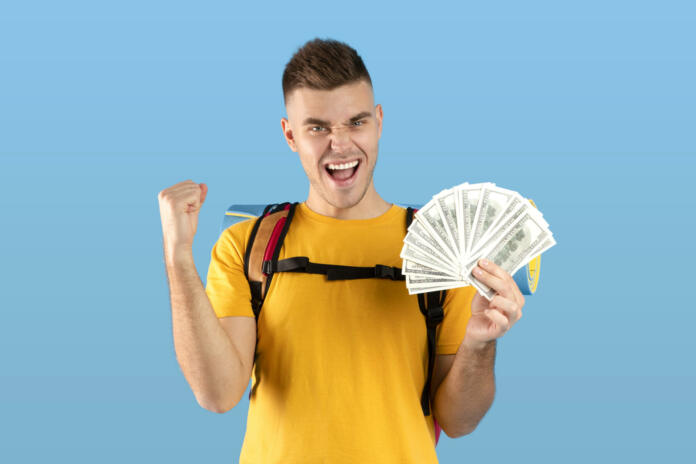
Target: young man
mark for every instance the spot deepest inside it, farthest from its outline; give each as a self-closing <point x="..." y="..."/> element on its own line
<point x="337" y="367"/>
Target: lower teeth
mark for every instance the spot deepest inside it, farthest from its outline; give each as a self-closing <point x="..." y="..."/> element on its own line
<point x="349" y="170"/>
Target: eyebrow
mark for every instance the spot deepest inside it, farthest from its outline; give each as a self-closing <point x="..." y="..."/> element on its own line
<point x="321" y="122"/>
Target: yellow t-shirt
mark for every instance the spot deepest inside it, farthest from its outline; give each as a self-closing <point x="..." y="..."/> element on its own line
<point x="340" y="365"/>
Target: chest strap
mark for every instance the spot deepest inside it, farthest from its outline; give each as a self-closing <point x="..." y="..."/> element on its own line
<point x="332" y="271"/>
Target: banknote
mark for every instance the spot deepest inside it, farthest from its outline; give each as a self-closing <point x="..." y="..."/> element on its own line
<point x="418" y="269"/>
<point x="492" y="203"/>
<point x="429" y="216"/>
<point x="465" y="223"/>
<point x="423" y="257"/>
<point x="415" y="285"/>
<point x="509" y="247"/>
<point x="420" y="237"/>
<point x="447" y="207"/>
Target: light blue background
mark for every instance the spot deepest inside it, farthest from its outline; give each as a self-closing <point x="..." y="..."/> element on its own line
<point x="586" y="107"/>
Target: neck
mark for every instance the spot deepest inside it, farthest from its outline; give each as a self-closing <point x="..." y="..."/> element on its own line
<point x="371" y="205"/>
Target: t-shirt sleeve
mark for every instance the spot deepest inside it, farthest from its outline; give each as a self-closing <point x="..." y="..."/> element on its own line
<point x="457" y="309"/>
<point x="226" y="285"/>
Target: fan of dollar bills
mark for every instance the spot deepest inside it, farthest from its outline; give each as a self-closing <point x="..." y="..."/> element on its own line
<point x="463" y="224"/>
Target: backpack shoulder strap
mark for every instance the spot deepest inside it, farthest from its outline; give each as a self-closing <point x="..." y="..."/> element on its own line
<point x="264" y="244"/>
<point x="431" y="305"/>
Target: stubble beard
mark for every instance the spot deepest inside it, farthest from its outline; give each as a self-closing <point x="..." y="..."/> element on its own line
<point x="351" y="204"/>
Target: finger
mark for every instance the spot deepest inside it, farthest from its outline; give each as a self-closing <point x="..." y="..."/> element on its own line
<point x="186" y="200"/>
<point x="498" y="318"/>
<point x="494" y="282"/>
<point x="493" y="268"/>
<point x="204" y="192"/>
<point x="182" y="190"/>
<point x="478" y="303"/>
<point x="513" y="291"/>
<point x="183" y="183"/>
<point x="517" y="294"/>
<point x="511" y="309"/>
<point x="498" y="271"/>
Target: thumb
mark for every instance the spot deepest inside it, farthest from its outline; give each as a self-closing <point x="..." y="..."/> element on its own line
<point x="204" y="191"/>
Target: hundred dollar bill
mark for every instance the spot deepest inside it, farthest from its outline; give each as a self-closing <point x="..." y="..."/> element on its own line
<point x="545" y="245"/>
<point x="421" y="271"/>
<point x="413" y="289"/>
<point x="517" y="242"/>
<point x="431" y="281"/>
<point x="511" y="210"/>
<point x="497" y="235"/>
<point x="492" y="203"/>
<point x="447" y="207"/>
<point x="426" y="258"/>
<point x="419" y="247"/>
<point x="417" y="290"/>
<point x="467" y="202"/>
<point x="419" y="237"/>
<point x="431" y="219"/>
<point x="419" y="287"/>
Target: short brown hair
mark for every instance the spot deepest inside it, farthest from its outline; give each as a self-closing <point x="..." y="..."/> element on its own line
<point x="323" y="64"/>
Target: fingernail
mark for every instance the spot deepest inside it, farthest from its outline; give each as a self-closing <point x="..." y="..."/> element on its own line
<point x="478" y="271"/>
<point x="484" y="262"/>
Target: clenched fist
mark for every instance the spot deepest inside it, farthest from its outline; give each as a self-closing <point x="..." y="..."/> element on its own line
<point x="179" y="207"/>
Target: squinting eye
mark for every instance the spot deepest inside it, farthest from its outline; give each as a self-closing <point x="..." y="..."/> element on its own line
<point x="361" y="122"/>
<point x="315" y="127"/>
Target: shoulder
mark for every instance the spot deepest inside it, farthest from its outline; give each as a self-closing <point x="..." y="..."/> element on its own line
<point x="236" y="236"/>
<point x="240" y="232"/>
<point x="402" y="215"/>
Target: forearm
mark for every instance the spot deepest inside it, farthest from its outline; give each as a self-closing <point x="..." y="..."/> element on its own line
<point x="205" y="353"/>
<point x="467" y="392"/>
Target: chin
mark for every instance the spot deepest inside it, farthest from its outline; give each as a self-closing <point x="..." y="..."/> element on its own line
<point x="347" y="201"/>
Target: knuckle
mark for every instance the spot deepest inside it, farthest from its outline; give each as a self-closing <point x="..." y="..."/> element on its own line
<point x="505" y="324"/>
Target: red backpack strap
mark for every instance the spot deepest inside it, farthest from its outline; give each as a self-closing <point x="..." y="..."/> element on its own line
<point x="264" y="244"/>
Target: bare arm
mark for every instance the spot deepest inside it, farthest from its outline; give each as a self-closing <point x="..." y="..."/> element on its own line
<point x="211" y="363"/>
<point x="467" y="391"/>
<point x="215" y="356"/>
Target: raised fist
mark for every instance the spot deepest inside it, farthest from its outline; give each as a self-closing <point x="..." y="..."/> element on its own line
<point x="179" y="207"/>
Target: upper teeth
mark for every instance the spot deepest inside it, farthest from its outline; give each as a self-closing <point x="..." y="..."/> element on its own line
<point x="344" y="166"/>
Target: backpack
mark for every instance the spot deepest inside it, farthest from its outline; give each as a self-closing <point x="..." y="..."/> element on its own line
<point x="261" y="263"/>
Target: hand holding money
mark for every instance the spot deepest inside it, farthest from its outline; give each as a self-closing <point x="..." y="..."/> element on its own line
<point x="491" y="319"/>
<point x="469" y="222"/>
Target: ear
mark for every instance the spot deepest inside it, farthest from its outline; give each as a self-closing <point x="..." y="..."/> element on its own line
<point x="378" y="113"/>
<point x="287" y="133"/>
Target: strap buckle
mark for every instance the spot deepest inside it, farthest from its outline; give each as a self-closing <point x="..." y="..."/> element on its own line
<point x="267" y="267"/>
<point x="384" y="272"/>
<point x="435" y="316"/>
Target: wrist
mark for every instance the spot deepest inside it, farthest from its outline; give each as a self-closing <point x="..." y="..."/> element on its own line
<point x="178" y="255"/>
<point x="477" y="346"/>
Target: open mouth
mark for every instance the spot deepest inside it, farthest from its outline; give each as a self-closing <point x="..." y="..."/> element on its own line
<point x="342" y="173"/>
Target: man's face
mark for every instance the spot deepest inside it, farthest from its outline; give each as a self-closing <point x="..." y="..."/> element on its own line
<point x="332" y="130"/>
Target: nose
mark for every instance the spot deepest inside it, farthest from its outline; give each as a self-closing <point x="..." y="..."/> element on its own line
<point x="340" y="140"/>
